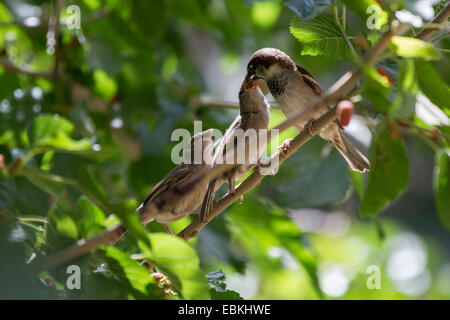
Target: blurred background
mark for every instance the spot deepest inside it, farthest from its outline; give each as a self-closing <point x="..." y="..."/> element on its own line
<point x="107" y="94"/>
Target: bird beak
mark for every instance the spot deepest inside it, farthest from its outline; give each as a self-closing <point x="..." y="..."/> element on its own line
<point x="249" y="83"/>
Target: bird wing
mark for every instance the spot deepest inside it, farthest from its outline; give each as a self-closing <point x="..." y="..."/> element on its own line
<point x="177" y="175"/>
<point x="312" y="83"/>
<point x="309" y="80"/>
<point x="229" y="138"/>
<point x="207" y="201"/>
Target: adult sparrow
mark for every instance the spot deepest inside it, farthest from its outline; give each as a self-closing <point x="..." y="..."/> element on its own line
<point x="241" y="146"/>
<point x="188" y="202"/>
<point x="294" y="89"/>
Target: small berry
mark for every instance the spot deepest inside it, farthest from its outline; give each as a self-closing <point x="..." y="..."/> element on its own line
<point x="344" y="112"/>
<point x="386" y="74"/>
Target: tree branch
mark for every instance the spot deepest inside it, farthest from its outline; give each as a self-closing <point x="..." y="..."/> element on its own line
<point x="53" y="42"/>
<point x="43" y="25"/>
<point x="338" y="91"/>
<point x="10" y="67"/>
<point x="255" y="179"/>
<point x="202" y="102"/>
<point x="443" y="16"/>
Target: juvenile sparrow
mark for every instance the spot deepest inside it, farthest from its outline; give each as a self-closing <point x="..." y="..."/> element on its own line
<point x="186" y="204"/>
<point x="295" y="89"/>
<point x="241" y="146"/>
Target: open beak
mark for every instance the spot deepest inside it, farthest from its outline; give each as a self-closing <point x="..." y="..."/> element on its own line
<point x="250" y="81"/>
<point x="254" y="77"/>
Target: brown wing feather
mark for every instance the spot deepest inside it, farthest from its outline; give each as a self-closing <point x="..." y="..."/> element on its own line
<point x="174" y="177"/>
<point x="228" y="138"/>
<point x="309" y="80"/>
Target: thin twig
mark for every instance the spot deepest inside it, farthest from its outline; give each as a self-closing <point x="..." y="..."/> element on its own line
<point x="424" y="34"/>
<point x="202" y="102"/>
<point x="52" y="37"/>
<point x="43" y="25"/>
<point x="442" y="50"/>
<point x="10" y="67"/>
<point x="440" y="37"/>
<point x="336" y="14"/>
<point x="349" y="44"/>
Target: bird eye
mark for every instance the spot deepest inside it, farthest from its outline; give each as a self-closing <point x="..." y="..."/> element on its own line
<point x="250" y="67"/>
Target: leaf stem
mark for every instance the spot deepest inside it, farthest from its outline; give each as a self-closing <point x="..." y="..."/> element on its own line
<point x="440" y="37"/>
<point x="349" y="44"/>
<point x="342" y="28"/>
<point x="33" y="218"/>
<point x="442" y="50"/>
<point x="425" y="33"/>
<point x="336" y="14"/>
<point x="344" y="17"/>
<point x="443" y="25"/>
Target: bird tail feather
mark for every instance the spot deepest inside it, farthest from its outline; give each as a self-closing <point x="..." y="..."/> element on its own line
<point x="356" y="160"/>
<point x="207" y="201"/>
<point x="141" y="209"/>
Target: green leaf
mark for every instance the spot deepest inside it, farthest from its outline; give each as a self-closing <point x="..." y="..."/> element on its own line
<point x="272" y="229"/>
<point x="370" y="10"/>
<point x="61" y="222"/>
<point x="404" y="103"/>
<point x="433" y="86"/>
<point x="441" y="185"/>
<point x="376" y="88"/>
<point x="47" y="182"/>
<point x="54" y="131"/>
<point x="406" y="80"/>
<point x="130" y="219"/>
<point x="323" y="178"/>
<point x="357" y="182"/>
<point x="105" y="86"/>
<point x="321" y="36"/>
<point x="307" y="9"/>
<point x="174" y="256"/>
<point x="225" y="295"/>
<point x="190" y="10"/>
<point x="7" y="190"/>
<point x="389" y="170"/>
<point x="408" y="47"/>
<point x="265" y="13"/>
<point x="8" y="82"/>
<point x="90" y="219"/>
<point x="131" y="273"/>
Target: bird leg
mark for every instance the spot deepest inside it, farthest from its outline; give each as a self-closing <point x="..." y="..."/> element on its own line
<point x="308" y="126"/>
<point x="284" y="148"/>
<point x="166" y="226"/>
<point x="231" y="185"/>
<point x="232" y="188"/>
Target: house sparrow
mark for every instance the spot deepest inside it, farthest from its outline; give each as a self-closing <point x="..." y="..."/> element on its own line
<point x="241" y="146"/>
<point x="295" y="89"/>
<point x="186" y="204"/>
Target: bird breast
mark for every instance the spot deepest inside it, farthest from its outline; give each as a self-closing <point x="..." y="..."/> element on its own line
<point x="296" y="96"/>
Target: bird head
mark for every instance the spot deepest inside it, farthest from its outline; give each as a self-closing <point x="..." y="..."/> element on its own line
<point x="267" y="62"/>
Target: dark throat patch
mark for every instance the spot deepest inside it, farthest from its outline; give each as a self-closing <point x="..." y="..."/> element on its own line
<point x="277" y="84"/>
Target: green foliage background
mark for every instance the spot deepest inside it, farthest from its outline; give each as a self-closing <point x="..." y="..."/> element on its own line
<point x="85" y="127"/>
